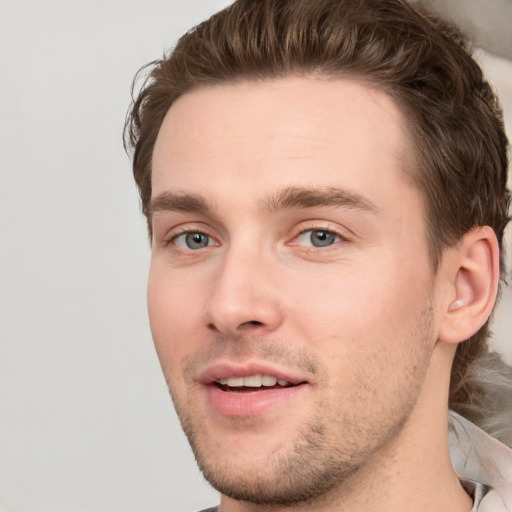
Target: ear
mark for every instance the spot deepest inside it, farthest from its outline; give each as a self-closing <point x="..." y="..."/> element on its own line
<point x="473" y="272"/>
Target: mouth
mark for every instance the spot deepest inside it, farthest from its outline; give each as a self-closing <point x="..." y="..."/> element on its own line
<point x="251" y="390"/>
<point x="252" y="383"/>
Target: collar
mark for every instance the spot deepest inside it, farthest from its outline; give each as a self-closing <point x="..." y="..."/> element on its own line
<point x="483" y="464"/>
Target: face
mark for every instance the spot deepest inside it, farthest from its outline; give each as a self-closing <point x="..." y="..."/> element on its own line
<point x="290" y="292"/>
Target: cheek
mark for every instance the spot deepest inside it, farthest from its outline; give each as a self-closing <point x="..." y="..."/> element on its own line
<point x="372" y="335"/>
<point x="173" y="315"/>
<point x="352" y="310"/>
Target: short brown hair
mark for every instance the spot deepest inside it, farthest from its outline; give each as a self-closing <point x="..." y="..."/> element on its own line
<point x="453" y="116"/>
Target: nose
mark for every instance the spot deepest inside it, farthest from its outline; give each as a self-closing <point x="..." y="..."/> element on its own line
<point x="244" y="298"/>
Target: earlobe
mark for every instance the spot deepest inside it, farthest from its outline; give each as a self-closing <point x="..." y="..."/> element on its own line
<point x="474" y="270"/>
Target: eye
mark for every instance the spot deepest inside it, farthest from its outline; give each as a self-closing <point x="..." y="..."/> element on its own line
<point x="193" y="240"/>
<point x="318" y="238"/>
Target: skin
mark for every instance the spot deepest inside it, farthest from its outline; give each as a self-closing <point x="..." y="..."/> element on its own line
<point x="262" y="172"/>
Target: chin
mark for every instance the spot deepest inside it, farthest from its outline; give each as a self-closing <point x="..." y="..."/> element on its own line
<point x="305" y="468"/>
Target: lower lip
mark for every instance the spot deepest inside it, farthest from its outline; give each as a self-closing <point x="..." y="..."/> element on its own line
<point x="250" y="403"/>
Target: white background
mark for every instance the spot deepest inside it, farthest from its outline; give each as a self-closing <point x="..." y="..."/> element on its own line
<point x="86" y="423"/>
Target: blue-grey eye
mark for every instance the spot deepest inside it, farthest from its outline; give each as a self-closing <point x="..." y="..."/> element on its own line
<point x="318" y="238"/>
<point x="322" y="238"/>
<point x="193" y="240"/>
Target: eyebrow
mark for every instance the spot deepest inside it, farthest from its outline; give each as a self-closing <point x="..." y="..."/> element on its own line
<point x="290" y="198"/>
<point x="178" y="202"/>
<point x="305" y="197"/>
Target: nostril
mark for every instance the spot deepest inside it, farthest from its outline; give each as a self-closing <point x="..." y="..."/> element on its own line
<point x="249" y="324"/>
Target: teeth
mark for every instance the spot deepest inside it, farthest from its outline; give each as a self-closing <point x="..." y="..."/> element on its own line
<point x="235" y="382"/>
<point x="267" y="380"/>
<point x="253" y="381"/>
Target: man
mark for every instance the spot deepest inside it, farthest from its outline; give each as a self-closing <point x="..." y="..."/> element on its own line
<point x="325" y="189"/>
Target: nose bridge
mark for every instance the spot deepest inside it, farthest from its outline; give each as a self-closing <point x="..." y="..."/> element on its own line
<point x="243" y="295"/>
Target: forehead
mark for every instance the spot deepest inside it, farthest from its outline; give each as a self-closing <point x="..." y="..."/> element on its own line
<point x="251" y="137"/>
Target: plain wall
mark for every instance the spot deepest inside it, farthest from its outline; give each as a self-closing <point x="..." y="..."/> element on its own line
<point x="86" y="423"/>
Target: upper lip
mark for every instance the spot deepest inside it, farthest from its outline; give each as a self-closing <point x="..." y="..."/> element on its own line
<point x="225" y="370"/>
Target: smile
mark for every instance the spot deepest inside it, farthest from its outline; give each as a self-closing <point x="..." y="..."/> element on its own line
<point x="253" y="381"/>
<point x="251" y="390"/>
